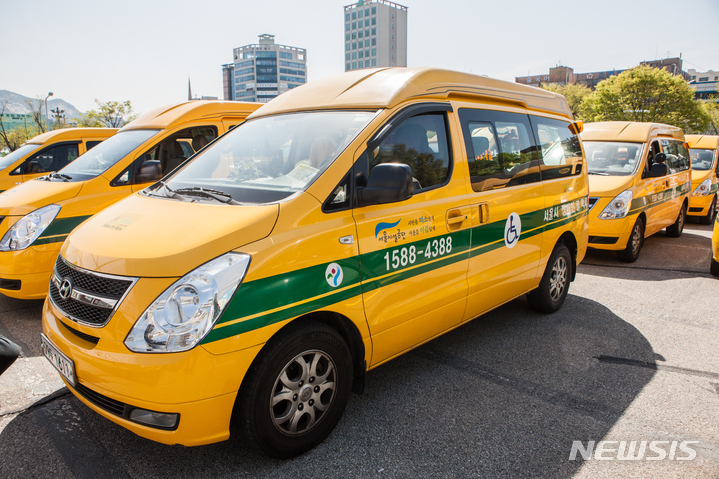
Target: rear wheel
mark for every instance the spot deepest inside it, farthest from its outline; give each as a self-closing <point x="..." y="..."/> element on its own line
<point x="553" y="287"/>
<point x="296" y="390"/>
<point x="675" y="230"/>
<point x="707" y="220"/>
<point x="631" y="253"/>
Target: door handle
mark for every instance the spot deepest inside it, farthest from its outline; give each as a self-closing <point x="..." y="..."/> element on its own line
<point x="456" y="219"/>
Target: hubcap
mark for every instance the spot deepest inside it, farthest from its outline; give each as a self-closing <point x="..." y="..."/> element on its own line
<point x="303" y="392"/>
<point x="558" y="281"/>
<point x="636" y="240"/>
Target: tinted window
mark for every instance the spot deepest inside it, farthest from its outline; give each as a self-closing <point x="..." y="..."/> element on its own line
<point x="677" y="155"/>
<point x="92" y="144"/>
<point x="421" y="143"/>
<point x="560" y="150"/>
<point x="500" y="149"/>
<point x="50" y="159"/>
<point x="14" y="156"/>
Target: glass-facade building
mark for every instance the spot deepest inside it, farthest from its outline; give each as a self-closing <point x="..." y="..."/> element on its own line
<point x="375" y="35"/>
<point x="262" y="71"/>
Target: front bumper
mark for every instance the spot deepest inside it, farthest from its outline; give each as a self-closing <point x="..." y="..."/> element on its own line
<point x="26" y="274"/>
<point x="699" y="205"/>
<point x="609" y="234"/>
<point x="199" y="386"/>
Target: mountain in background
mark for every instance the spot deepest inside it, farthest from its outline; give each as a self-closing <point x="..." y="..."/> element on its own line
<point x="17" y="105"/>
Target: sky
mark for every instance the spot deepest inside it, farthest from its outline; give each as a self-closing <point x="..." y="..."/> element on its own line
<point x="145" y="51"/>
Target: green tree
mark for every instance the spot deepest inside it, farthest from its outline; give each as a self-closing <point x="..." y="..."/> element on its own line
<point x="646" y="94"/>
<point x="110" y="114"/>
<point x="37" y="112"/>
<point x="711" y="107"/>
<point x="13" y="139"/>
<point x="575" y="94"/>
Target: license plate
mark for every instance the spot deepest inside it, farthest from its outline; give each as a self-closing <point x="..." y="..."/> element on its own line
<point x="64" y="365"/>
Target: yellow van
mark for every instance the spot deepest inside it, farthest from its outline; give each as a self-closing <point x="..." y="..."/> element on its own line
<point x="639" y="182"/>
<point x="37" y="216"/>
<point x="705" y="180"/>
<point x="345" y="223"/>
<point x="48" y="152"/>
<point x="715" y="249"/>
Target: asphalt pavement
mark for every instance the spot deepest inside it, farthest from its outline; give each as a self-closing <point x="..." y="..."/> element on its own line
<point x="632" y="356"/>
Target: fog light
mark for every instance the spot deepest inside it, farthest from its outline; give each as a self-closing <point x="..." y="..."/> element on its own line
<point x="155" y="419"/>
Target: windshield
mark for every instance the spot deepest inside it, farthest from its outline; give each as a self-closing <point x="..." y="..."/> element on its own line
<point x="270" y="158"/>
<point x="702" y="159"/>
<point x="13" y="156"/>
<point x="613" y="158"/>
<point x="105" y="155"/>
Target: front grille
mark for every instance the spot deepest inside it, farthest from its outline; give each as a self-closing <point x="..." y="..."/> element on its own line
<point x="98" y="285"/>
<point x="603" y="239"/>
<point x="103" y="402"/>
<point x="81" y="335"/>
<point x="592" y="202"/>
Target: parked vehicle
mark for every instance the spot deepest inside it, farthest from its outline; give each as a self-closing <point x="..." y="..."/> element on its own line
<point x="48" y="152"/>
<point x="345" y="223"/>
<point x="37" y="216"/>
<point x="639" y="182"/>
<point x="715" y="249"/>
<point x="705" y="177"/>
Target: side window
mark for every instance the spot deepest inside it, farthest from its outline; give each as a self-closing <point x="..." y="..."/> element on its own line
<point x="677" y="156"/>
<point x="91" y="144"/>
<point x="500" y="149"/>
<point x="421" y="143"/>
<point x="50" y="159"/>
<point x="64" y="155"/>
<point x="559" y="147"/>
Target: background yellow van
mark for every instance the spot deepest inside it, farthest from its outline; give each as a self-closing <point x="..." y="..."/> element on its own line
<point x="639" y="183"/>
<point x="705" y="183"/>
<point x="48" y="152"/>
<point x="345" y="223"/>
<point x="715" y="249"/>
<point x="37" y="216"/>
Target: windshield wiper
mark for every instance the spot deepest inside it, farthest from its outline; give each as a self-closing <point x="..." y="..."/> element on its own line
<point x="598" y="173"/>
<point x="217" y="195"/>
<point x="60" y="176"/>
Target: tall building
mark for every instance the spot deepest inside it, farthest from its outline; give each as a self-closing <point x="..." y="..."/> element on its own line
<point x="375" y="35"/>
<point x="262" y="71"/>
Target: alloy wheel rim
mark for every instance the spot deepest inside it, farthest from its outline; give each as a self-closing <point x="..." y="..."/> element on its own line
<point x="303" y="392"/>
<point x="558" y="280"/>
<point x="636" y="240"/>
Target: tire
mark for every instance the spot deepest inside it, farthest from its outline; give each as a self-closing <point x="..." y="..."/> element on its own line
<point x="715" y="267"/>
<point x="634" y="244"/>
<point x="295" y="391"/>
<point x="675" y="230"/>
<point x="553" y="287"/>
<point x="707" y="220"/>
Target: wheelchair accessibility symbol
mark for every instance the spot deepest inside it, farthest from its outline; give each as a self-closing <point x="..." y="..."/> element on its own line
<point x="512" y="230"/>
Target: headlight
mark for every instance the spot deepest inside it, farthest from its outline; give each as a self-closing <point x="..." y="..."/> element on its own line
<point x="703" y="188"/>
<point x="28" y="228"/>
<point x="183" y="315"/>
<point x="618" y="207"/>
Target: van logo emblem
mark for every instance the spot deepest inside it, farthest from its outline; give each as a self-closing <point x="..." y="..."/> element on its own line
<point x="384" y="226"/>
<point x="65" y="289"/>
<point x="512" y="230"/>
<point x="334" y="275"/>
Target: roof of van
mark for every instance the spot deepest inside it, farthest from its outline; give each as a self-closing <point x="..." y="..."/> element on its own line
<point x="708" y="142"/>
<point x="628" y="131"/>
<point x="169" y="115"/>
<point x="72" y="134"/>
<point x="387" y="87"/>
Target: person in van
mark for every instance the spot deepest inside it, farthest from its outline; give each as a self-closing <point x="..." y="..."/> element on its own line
<point x="640" y="177"/>
<point x="48" y="152"/>
<point x="266" y="294"/>
<point x="39" y="214"/>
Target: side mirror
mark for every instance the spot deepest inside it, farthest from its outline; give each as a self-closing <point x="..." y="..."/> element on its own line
<point x="149" y="171"/>
<point x="660" y="158"/>
<point x="387" y="183"/>
<point x="658" y="170"/>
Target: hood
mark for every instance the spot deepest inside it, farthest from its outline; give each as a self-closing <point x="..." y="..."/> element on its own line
<point x="34" y="194"/>
<point x="609" y="186"/>
<point x="152" y="237"/>
<point x="698" y="175"/>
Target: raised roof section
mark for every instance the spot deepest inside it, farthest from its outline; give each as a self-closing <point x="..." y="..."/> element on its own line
<point x="168" y="115"/>
<point x="628" y="131"/>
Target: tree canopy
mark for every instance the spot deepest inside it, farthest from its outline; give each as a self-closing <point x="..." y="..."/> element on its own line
<point x="109" y="114"/>
<point x="649" y="95"/>
<point x="575" y="94"/>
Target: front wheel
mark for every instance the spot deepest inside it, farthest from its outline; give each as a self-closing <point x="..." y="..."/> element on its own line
<point x="553" y="287"/>
<point x="296" y="390"/>
<point x="675" y="230"/>
<point x="631" y="253"/>
<point x="707" y="220"/>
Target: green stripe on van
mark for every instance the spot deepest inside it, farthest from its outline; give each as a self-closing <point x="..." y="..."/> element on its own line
<point x="59" y="229"/>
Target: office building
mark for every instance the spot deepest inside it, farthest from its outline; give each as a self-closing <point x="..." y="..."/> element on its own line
<point x="264" y="70"/>
<point x="564" y="75"/>
<point x="375" y="35"/>
<point x="705" y="84"/>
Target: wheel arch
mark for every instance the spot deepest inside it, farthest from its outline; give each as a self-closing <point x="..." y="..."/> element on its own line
<point x="570" y="241"/>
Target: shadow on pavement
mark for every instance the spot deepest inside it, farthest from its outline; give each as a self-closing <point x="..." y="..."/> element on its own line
<point x="504" y="395"/>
